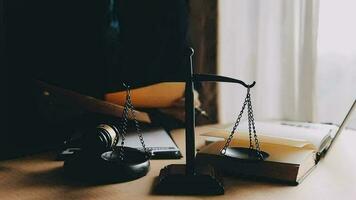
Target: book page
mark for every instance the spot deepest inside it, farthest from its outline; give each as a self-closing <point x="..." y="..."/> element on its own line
<point x="242" y="136"/>
<point x="332" y="129"/>
<point x="156" y="139"/>
<point x="280" y="132"/>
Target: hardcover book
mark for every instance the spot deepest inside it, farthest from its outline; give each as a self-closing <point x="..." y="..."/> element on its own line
<point x="294" y="149"/>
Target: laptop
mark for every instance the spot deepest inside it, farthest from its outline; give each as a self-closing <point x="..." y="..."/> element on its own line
<point x="344" y="123"/>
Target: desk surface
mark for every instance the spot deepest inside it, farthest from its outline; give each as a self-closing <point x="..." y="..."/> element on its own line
<point x="39" y="177"/>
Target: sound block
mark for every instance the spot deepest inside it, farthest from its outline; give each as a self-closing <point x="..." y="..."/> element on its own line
<point x="174" y="180"/>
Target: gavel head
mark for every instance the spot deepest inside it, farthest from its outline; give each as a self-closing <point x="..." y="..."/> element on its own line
<point x="100" y="139"/>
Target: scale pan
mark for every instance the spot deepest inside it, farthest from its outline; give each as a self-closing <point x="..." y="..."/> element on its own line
<point x="245" y="153"/>
<point x="108" y="167"/>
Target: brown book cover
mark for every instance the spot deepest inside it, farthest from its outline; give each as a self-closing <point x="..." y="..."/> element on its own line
<point x="285" y="163"/>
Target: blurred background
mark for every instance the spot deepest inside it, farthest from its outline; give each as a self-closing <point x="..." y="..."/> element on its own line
<point x="301" y="53"/>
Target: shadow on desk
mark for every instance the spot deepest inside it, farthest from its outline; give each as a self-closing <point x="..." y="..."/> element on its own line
<point x="45" y="178"/>
<point x="57" y="177"/>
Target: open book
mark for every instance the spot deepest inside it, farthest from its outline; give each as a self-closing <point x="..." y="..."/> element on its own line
<point x="294" y="148"/>
<point x="305" y="135"/>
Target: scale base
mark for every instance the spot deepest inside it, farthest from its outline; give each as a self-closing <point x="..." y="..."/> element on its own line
<point x="174" y="180"/>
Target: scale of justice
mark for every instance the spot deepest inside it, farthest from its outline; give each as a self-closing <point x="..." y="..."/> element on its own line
<point x="190" y="178"/>
<point x="123" y="163"/>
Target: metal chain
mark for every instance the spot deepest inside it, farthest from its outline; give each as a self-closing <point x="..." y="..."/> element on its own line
<point x="252" y="121"/>
<point x="116" y="139"/>
<point x="223" y="151"/>
<point x="251" y="127"/>
<point x="123" y="124"/>
<point x="248" y="99"/>
<point x="128" y="107"/>
<point x="137" y="124"/>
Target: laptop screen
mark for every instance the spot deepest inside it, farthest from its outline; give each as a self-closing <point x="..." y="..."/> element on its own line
<point x="344" y="122"/>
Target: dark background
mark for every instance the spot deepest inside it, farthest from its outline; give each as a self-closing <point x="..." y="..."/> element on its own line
<point x="55" y="39"/>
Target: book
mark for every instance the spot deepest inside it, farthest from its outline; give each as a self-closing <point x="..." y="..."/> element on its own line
<point x="284" y="164"/>
<point x="288" y="133"/>
<point x="157" y="141"/>
<point x="294" y="149"/>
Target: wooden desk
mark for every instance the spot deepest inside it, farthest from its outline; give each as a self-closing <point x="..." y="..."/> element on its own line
<point x="39" y="177"/>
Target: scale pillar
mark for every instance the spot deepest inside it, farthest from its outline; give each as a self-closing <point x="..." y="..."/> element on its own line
<point x="188" y="178"/>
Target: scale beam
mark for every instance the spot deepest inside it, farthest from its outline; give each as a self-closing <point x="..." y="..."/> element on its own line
<point x="217" y="78"/>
